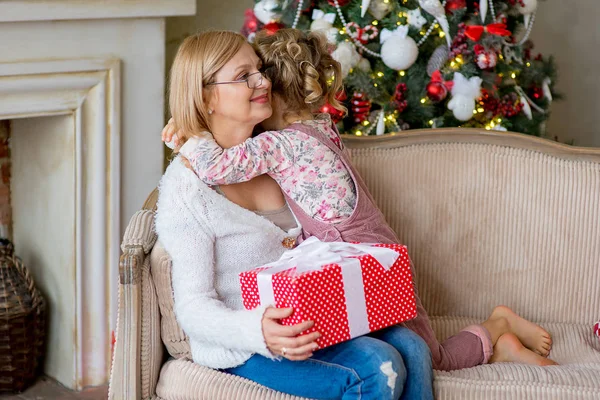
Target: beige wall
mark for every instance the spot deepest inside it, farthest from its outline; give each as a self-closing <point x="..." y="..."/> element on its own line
<point x="566" y="29"/>
<point x="570" y="31"/>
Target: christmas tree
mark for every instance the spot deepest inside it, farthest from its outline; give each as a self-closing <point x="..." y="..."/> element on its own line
<point x="410" y="64"/>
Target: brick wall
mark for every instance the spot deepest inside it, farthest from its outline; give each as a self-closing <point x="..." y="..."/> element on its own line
<point x="5" y="205"/>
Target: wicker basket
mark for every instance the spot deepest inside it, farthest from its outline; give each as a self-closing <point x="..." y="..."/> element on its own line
<point x="22" y="323"/>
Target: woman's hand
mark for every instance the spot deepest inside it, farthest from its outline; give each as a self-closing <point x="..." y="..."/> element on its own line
<point x="282" y="340"/>
<point x="169" y="134"/>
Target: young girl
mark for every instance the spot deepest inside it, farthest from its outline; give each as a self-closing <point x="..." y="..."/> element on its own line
<point x="307" y="159"/>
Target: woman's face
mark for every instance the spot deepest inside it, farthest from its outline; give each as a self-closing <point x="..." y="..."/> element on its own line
<point x="236" y="103"/>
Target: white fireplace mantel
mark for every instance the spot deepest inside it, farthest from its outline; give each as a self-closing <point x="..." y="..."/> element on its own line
<point x="53" y="10"/>
<point x="94" y="70"/>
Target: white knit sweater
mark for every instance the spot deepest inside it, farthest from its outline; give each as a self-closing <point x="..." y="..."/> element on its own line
<point x="211" y="240"/>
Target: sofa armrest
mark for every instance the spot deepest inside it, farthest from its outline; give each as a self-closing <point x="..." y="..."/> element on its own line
<point x="125" y="381"/>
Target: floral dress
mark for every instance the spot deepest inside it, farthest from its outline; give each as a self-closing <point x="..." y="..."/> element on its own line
<point x="305" y="169"/>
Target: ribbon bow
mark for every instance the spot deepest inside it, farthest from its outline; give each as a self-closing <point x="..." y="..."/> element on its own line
<point x="401" y="31"/>
<point x="320" y="14"/>
<point x="313" y="255"/>
<point x="437" y="77"/>
<point x="474" y="32"/>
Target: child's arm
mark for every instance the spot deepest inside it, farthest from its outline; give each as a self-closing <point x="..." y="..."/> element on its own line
<point x="268" y="152"/>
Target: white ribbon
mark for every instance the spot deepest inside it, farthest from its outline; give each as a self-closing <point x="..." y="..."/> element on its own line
<point x="320" y="14"/>
<point x="401" y="31"/>
<point x="312" y="254"/>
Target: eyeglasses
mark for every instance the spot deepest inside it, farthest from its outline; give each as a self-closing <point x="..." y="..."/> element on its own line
<point x="253" y="80"/>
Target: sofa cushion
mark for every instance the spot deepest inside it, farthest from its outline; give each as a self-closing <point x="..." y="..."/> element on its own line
<point x="174" y="338"/>
<point x="577" y="376"/>
<point x="184" y="380"/>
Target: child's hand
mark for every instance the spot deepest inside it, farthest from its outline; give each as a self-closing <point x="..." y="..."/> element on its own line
<point x="169" y="135"/>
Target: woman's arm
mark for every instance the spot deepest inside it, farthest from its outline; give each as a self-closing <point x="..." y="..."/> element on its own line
<point x="269" y="152"/>
<point x="190" y="243"/>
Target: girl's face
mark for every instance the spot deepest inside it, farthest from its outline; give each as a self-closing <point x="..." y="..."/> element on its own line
<point x="235" y="103"/>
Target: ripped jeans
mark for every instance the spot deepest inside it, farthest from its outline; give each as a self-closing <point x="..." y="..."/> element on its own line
<point x="394" y="363"/>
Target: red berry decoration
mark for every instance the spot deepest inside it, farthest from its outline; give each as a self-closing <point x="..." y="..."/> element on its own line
<point x="360" y="106"/>
<point x="436" y="91"/>
<point x="537" y="93"/>
<point x="399" y="99"/>
<point x="342" y="3"/>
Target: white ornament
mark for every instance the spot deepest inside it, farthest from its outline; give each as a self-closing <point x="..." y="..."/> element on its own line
<point x="486" y="59"/>
<point x="435" y="8"/>
<point x="364" y="65"/>
<point x="399" y="51"/>
<point x="347" y="56"/>
<point x="380" y="124"/>
<point x="379" y="9"/>
<point x="529" y="6"/>
<point x="483" y="9"/>
<point x="264" y="11"/>
<point x="464" y="93"/>
<point x="364" y="7"/>
<point x="416" y="19"/>
<point x="526" y="107"/>
<point x="324" y="23"/>
<point x="546" y="89"/>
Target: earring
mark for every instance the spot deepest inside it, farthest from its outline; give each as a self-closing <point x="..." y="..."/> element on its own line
<point x="210" y="111"/>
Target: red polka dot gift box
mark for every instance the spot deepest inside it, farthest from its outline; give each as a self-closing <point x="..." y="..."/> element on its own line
<point x="347" y="289"/>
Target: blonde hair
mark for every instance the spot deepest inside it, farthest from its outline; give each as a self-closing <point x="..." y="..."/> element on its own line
<point x="299" y="67"/>
<point x="198" y="59"/>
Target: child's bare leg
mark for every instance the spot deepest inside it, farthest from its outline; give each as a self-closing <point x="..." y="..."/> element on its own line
<point x="504" y="320"/>
<point x="509" y="348"/>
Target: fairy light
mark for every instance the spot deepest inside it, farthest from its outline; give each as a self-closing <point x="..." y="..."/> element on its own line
<point x="431" y="122"/>
<point x="375" y="23"/>
<point x="474" y="111"/>
<point x="528" y="64"/>
<point x="375" y="84"/>
<point x="423" y="100"/>
<point x="453" y="64"/>
<point x="459" y="59"/>
<point x="380" y="74"/>
<point x="402" y="73"/>
<point x="513" y="75"/>
<point x="386" y="1"/>
<point x="442" y="34"/>
<point x="365" y="123"/>
<point x="480" y="110"/>
<point x="358" y="133"/>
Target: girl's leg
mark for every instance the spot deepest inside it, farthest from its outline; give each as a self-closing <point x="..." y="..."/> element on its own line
<point x="365" y="368"/>
<point x="417" y="360"/>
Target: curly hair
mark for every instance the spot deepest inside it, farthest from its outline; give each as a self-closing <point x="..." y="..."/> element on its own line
<point x="300" y="68"/>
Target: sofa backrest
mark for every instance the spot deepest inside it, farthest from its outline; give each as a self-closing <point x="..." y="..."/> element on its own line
<point x="492" y="219"/>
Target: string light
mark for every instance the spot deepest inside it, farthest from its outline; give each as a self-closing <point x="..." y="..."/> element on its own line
<point x="513" y="75"/>
<point x="480" y="110"/>
<point x="380" y="74"/>
<point x="375" y="23"/>
<point x="402" y="73"/>
<point x="423" y="100"/>
<point x="365" y="122"/>
<point x="431" y="122"/>
<point x="358" y="133"/>
<point x="442" y="34"/>
<point x="375" y="84"/>
<point x="528" y="64"/>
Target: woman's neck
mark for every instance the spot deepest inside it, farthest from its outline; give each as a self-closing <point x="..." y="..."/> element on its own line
<point x="228" y="134"/>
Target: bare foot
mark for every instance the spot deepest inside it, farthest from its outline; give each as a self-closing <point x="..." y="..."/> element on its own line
<point x="533" y="336"/>
<point x="508" y="348"/>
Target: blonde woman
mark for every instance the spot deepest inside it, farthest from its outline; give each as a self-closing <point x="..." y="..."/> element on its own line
<point x="215" y="232"/>
<point x="305" y="156"/>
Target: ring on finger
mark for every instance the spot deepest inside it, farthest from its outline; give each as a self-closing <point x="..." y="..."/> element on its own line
<point x="283" y="351"/>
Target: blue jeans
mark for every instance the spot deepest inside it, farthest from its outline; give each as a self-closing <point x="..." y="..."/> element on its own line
<point x="394" y="363"/>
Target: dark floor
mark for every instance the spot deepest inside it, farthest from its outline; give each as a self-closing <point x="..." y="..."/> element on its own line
<point x="48" y="389"/>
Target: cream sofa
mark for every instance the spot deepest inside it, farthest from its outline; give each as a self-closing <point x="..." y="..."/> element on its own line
<point x="489" y="218"/>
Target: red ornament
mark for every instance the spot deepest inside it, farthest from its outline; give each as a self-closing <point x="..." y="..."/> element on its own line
<point x="360" y="106"/>
<point x="273" y="27"/>
<point x="336" y="115"/>
<point x="537" y="93"/>
<point x="453" y="5"/>
<point x="342" y="3"/>
<point x="436" y="91"/>
<point x="251" y="23"/>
